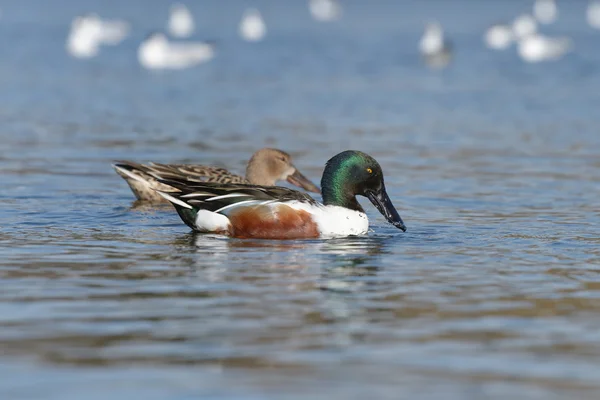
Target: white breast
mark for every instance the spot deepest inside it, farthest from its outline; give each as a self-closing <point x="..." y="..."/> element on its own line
<point x="208" y="221"/>
<point x="335" y="221"/>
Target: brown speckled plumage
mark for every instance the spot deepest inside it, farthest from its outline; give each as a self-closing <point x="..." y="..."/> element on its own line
<point x="145" y="187"/>
<point x="266" y="167"/>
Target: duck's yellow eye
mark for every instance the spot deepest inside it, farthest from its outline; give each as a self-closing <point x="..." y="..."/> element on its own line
<point x="369" y="170"/>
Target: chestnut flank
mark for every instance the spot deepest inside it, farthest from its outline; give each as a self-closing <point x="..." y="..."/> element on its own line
<point x="272" y="222"/>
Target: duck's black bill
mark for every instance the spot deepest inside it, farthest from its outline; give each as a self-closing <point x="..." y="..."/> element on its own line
<point x="300" y="180"/>
<point x="381" y="200"/>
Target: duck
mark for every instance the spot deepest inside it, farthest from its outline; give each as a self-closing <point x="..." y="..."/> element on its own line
<point x="265" y="168"/>
<point x="260" y="212"/>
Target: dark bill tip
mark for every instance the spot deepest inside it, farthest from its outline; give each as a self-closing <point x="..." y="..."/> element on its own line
<point x="300" y="180"/>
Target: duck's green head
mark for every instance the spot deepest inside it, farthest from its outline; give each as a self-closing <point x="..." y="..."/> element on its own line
<point x="353" y="173"/>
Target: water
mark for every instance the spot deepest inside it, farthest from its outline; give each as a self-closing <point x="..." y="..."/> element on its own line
<point x="493" y="164"/>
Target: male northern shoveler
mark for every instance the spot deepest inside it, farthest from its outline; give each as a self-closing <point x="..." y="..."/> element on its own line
<point x="252" y="211"/>
<point x="265" y="168"/>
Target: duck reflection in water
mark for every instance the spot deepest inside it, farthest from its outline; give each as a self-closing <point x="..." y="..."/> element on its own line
<point x="334" y="261"/>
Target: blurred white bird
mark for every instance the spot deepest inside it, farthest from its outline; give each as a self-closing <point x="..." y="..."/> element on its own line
<point x="181" y="21"/>
<point x="82" y="41"/>
<point x="524" y="25"/>
<point x="593" y="14"/>
<point x="112" y="32"/>
<point x="156" y="52"/>
<point x="432" y="40"/>
<point x="537" y="48"/>
<point x="89" y="32"/>
<point x="498" y="37"/>
<point x="434" y="47"/>
<point x="252" y="27"/>
<point x="325" y="10"/>
<point x="545" y="11"/>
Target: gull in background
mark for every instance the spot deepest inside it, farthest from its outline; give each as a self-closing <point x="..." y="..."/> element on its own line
<point x="533" y="47"/>
<point x="498" y="37"/>
<point x="537" y="48"/>
<point x="89" y="32"/>
<point x="593" y="14"/>
<point x="157" y="53"/>
<point x="82" y="41"/>
<point x="325" y="10"/>
<point x="112" y="32"/>
<point x="181" y="21"/>
<point x="435" y="49"/>
<point x="524" y="25"/>
<point x="252" y="27"/>
<point x="545" y="11"/>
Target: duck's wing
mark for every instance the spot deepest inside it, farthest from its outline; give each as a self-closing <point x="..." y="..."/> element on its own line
<point x="191" y="172"/>
<point x="190" y="198"/>
<point x="223" y="198"/>
<point x="141" y="181"/>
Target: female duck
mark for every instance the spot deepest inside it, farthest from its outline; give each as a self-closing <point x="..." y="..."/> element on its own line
<point x="250" y="211"/>
<point x="265" y="168"/>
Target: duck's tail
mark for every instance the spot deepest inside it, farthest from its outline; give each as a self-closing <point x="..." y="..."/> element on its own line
<point x="187" y="213"/>
<point x="141" y="181"/>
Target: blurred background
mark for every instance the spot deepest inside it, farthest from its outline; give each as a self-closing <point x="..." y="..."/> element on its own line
<point x="483" y="115"/>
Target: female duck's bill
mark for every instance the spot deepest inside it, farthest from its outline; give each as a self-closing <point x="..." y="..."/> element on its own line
<point x="253" y="211"/>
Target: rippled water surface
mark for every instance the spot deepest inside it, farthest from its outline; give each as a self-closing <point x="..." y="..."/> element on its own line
<point x="493" y="292"/>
